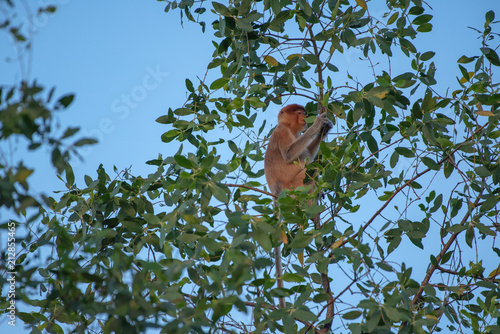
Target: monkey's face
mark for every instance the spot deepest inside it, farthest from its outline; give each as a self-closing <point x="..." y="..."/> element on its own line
<point x="293" y="117"/>
<point x="301" y="118"/>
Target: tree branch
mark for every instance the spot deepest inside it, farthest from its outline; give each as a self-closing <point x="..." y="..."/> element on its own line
<point x="251" y="188"/>
<point x="445" y="248"/>
<point x="408" y="183"/>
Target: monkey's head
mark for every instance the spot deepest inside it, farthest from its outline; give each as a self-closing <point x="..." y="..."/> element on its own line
<point x="293" y="116"/>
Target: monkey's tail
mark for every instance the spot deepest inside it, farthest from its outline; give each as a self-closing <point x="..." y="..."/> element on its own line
<point x="279" y="272"/>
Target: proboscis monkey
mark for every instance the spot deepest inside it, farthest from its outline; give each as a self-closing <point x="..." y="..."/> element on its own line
<point x="288" y="151"/>
<point x="287" y="154"/>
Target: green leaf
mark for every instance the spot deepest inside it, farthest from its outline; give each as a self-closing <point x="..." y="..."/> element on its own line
<point x="165" y="119"/>
<point x="185" y="162"/>
<point x="70" y="176"/>
<point x="394" y="159"/>
<point x="57" y="159"/>
<point x="218" y="192"/>
<point x="348" y="37"/>
<point x="422" y="19"/>
<point x="88" y="180"/>
<point x="189" y="85"/>
<point x="23" y="173"/>
<point x="437" y="203"/>
<point x="306" y="8"/>
<point x="427" y="55"/>
<point x="446" y="257"/>
<point x="169" y="135"/>
<point x="465" y="59"/>
<point x="245" y="121"/>
<point x="490" y="16"/>
<point x="265" y="227"/>
<point x="107" y="233"/>
<point x="489" y="204"/>
<point x="233" y="147"/>
<point x="304" y="315"/>
<point x="491" y="55"/>
<point x="394" y="314"/>
<point x="127" y="208"/>
<point x="332" y="67"/>
<point x="221" y="9"/>
<point x="351" y="315"/>
<point x="311" y="59"/>
<point x="484" y="229"/>
<point x="152" y="219"/>
<point x="448" y="168"/>
<point x="465" y="73"/>
<point x="181" y="112"/>
<point x="482" y="171"/>
<point x="372" y="145"/>
<point x="301" y="241"/>
<point x="219" y="83"/>
<point x="424" y="27"/>
<point x="362" y="4"/>
<point x="393" y="18"/>
<point x="65" y="101"/>
<point x="70" y="132"/>
<point x="385" y="266"/>
<point x="294" y="278"/>
<point x="188" y="237"/>
<point x="430" y="163"/>
<point x="244" y="24"/>
<point x="256" y="102"/>
<point x="288" y="322"/>
<point x="469" y="235"/>
<point x="386" y="195"/>
<point x="394" y="243"/>
<point x="405" y="152"/>
<point x="281" y="17"/>
<point x="85" y="141"/>
<point x="407" y="45"/>
<point x="374" y="320"/>
<point x="262" y="239"/>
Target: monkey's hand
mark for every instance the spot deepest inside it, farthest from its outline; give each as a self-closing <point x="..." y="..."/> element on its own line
<point x="319" y="121"/>
<point x="325" y="126"/>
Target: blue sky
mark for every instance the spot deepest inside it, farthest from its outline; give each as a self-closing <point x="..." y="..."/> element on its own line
<point x="127" y="61"/>
<point x="126" y="64"/>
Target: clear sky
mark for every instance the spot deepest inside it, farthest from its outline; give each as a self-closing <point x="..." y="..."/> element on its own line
<point x="126" y="61"/>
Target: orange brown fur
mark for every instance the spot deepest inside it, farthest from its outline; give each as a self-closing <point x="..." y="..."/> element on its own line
<point x="288" y="150"/>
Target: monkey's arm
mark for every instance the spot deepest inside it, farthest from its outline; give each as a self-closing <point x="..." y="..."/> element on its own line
<point x="302" y="148"/>
<point x="296" y="149"/>
<point x="313" y="147"/>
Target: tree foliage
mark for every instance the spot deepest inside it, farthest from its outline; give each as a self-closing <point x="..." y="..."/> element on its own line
<point x="409" y="189"/>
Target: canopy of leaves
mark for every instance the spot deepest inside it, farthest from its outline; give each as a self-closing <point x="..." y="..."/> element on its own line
<point x="408" y="217"/>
